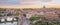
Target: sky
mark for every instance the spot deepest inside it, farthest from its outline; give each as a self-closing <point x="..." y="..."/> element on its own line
<point x="9" y="2"/>
<point x="37" y="2"/>
<point x="57" y="2"/>
<point x="31" y="3"/>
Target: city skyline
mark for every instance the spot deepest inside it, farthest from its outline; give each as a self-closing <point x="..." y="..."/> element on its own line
<point x="29" y="3"/>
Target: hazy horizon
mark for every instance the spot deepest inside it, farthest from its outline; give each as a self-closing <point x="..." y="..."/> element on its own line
<point x="19" y="3"/>
<point x="37" y="2"/>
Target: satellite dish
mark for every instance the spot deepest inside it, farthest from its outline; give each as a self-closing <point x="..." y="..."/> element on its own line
<point x="2" y="20"/>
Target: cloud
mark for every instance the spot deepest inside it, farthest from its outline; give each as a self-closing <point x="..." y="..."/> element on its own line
<point x="29" y="2"/>
<point x="9" y="2"/>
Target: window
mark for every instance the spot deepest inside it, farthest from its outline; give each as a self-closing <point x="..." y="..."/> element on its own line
<point x="59" y="15"/>
<point x="24" y="15"/>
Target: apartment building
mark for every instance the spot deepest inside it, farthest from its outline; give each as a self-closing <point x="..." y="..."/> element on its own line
<point x="23" y="14"/>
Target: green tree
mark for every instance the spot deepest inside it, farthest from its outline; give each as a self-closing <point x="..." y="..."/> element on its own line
<point x="17" y="12"/>
<point x="33" y="18"/>
<point x="42" y="22"/>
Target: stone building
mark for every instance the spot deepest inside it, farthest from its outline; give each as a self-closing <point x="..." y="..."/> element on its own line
<point x="53" y="13"/>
